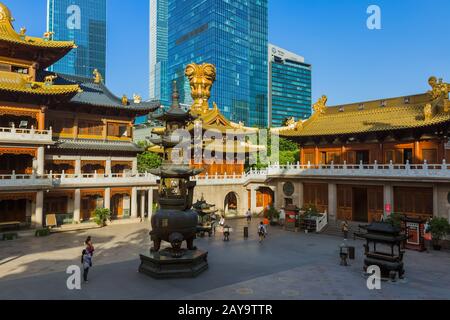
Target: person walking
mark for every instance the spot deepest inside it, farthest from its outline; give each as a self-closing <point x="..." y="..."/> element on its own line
<point x="86" y="261"/>
<point x="213" y="222"/>
<point x="345" y="227"/>
<point x="89" y="245"/>
<point x="249" y="216"/>
<point x="262" y="232"/>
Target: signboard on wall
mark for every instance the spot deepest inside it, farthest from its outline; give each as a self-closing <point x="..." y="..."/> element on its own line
<point x="388" y="209"/>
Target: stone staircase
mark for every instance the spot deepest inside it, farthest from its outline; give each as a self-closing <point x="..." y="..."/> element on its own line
<point x="334" y="229"/>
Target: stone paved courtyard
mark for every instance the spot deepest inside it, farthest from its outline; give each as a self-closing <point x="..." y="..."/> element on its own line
<point x="286" y="266"/>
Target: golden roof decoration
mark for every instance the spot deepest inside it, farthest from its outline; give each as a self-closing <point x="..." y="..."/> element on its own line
<point x="201" y="78"/>
<point x="438" y="88"/>
<point x="321" y="105"/>
<point x="97" y="76"/>
<point x="124" y="100"/>
<point x="137" y="98"/>
<point x="15" y="82"/>
<point x="7" y="33"/>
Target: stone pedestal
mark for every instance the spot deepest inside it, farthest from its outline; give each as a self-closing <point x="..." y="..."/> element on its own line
<point x="161" y="265"/>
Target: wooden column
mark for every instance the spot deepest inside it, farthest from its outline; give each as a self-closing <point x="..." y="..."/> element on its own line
<point x="41" y="118"/>
<point x="316" y="155"/>
<point x="343" y="154"/>
<point x="75" y="127"/>
<point x="302" y="156"/>
<point x="417" y="158"/>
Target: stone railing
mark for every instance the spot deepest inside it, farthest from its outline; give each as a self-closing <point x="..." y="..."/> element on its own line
<point x="412" y="171"/>
<point x="24" y="181"/>
<point x="96" y="179"/>
<point x="72" y="180"/>
<point x="18" y="135"/>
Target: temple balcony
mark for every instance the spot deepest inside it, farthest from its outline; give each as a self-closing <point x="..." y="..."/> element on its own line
<point x="24" y="182"/>
<point x="126" y="179"/>
<point x="25" y="136"/>
<point x="418" y="172"/>
<point x="51" y="181"/>
<point x="384" y="172"/>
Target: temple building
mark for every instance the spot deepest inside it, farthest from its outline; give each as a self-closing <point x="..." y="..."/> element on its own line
<point x="66" y="143"/>
<point x="363" y="160"/>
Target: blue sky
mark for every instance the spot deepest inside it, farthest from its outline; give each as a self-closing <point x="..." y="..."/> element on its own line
<point x="351" y="63"/>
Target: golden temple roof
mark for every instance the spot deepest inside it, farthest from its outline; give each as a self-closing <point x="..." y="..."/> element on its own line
<point x="10" y="36"/>
<point x="213" y="119"/>
<point x="409" y="112"/>
<point x="18" y="83"/>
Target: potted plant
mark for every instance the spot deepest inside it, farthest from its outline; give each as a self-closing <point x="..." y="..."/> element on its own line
<point x="395" y="219"/>
<point x="101" y="216"/>
<point x="273" y="215"/>
<point x="439" y="228"/>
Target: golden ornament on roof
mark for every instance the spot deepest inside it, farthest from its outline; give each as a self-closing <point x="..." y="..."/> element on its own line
<point x="124" y="100"/>
<point x="48" y="80"/>
<point x="137" y="98"/>
<point x="321" y="105"/>
<point x="97" y="76"/>
<point x="49" y="35"/>
<point x="201" y="78"/>
<point x="438" y="88"/>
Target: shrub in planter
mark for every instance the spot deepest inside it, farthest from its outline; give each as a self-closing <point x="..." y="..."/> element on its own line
<point x="395" y="219"/>
<point x="42" y="232"/>
<point x="101" y="216"/>
<point x="10" y="236"/>
<point x="273" y="215"/>
<point x="439" y="228"/>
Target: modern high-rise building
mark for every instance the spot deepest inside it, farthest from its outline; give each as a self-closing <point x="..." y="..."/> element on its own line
<point x="233" y="35"/>
<point x="82" y="21"/>
<point x="289" y="86"/>
<point x="159" y="90"/>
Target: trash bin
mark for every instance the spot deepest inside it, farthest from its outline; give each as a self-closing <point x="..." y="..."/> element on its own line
<point x="351" y="253"/>
<point x="246" y="232"/>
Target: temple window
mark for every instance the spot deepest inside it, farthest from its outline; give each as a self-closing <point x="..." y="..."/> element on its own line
<point x="20" y="70"/>
<point x="430" y="155"/>
<point x="92" y="128"/>
<point x="61" y="126"/>
<point x="119" y="130"/>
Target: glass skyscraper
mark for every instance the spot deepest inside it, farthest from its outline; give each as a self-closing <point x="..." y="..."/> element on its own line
<point x="289" y="86"/>
<point x="159" y="90"/>
<point x="83" y="21"/>
<point x="233" y="35"/>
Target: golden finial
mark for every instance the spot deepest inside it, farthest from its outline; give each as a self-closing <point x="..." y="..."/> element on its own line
<point x="97" y="76"/>
<point x="201" y="78"/>
<point x="137" y="98"/>
<point x="321" y="105"/>
<point x="124" y="100"/>
<point x="290" y="122"/>
<point x="48" y="80"/>
<point x="23" y="31"/>
<point x="48" y="35"/>
<point x="438" y="88"/>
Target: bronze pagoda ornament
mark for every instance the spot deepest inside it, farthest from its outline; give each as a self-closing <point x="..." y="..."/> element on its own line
<point x="175" y="222"/>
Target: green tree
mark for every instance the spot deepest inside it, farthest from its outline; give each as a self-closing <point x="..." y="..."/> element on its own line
<point x="148" y="160"/>
<point x="289" y="152"/>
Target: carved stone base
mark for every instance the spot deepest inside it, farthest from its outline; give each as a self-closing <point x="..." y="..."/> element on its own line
<point x="161" y="265"/>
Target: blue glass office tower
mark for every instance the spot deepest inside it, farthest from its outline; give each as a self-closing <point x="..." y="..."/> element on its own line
<point x="159" y="90"/>
<point x="83" y="21"/>
<point x="289" y="86"/>
<point x="233" y="35"/>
